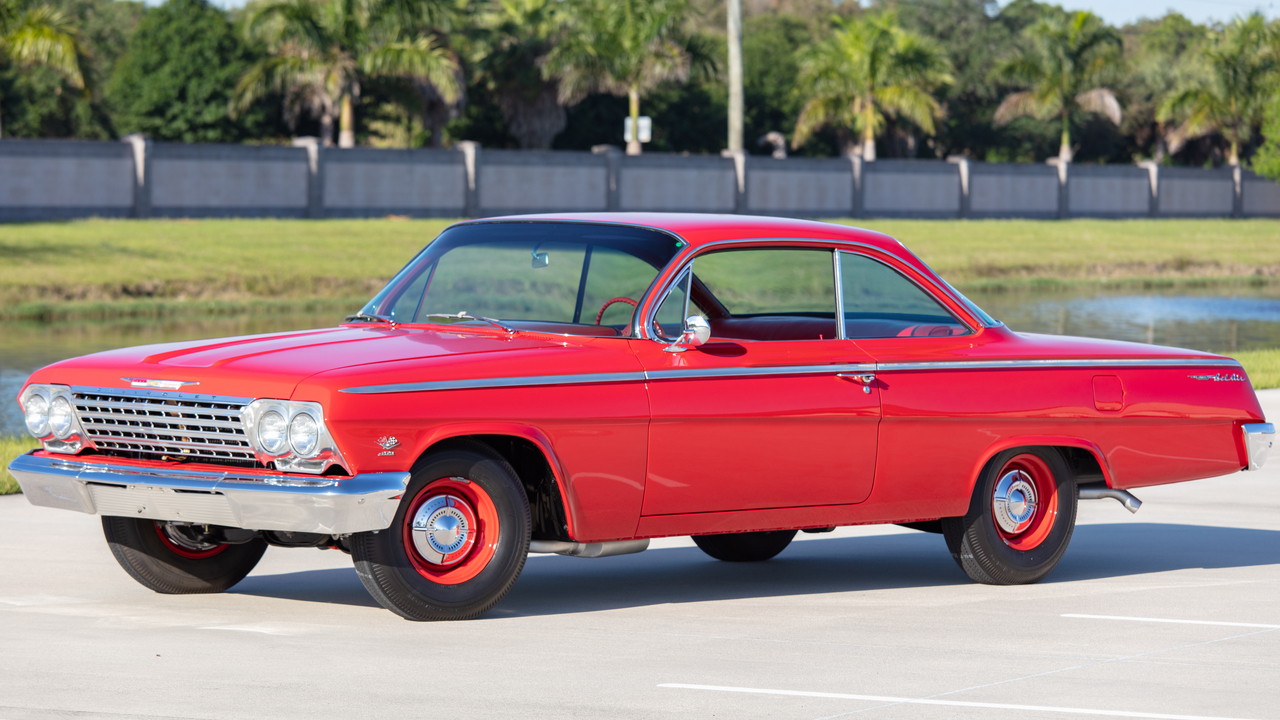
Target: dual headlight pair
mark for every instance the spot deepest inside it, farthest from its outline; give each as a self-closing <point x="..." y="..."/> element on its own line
<point x="291" y="434"/>
<point x="51" y="417"/>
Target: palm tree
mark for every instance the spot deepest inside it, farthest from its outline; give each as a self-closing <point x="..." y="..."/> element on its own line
<point x="42" y="35"/>
<point x="870" y="68"/>
<point x="513" y="40"/>
<point x="1240" y="80"/>
<point x="623" y="47"/>
<point x="321" y="49"/>
<point x="1065" y="62"/>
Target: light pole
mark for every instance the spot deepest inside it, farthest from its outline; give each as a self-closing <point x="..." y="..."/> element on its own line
<point x="735" y="75"/>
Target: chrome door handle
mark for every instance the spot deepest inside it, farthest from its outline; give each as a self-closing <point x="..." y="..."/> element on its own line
<point x="865" y="378"/>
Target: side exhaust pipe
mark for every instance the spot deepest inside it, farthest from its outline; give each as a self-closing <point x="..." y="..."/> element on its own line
<point x="589" y="550"/>
<point x="1125" y="497"/>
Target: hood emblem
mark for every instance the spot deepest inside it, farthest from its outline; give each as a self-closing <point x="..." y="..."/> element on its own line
<point x="386" y="442"/>
<point x="158" y="384"/>
<point x="1219" y="377"/>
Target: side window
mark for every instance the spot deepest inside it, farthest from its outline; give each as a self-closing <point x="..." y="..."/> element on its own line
<point x="770" y="293"/>
<point x="669" y="320"/>
<point x="879" y="302"/>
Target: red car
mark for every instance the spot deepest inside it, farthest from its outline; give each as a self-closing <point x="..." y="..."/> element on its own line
<point x="579" y="384"/>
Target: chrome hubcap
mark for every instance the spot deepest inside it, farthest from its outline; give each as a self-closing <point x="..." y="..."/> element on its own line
<point x="443" y="529"/>
<point x="1015" y="502"/>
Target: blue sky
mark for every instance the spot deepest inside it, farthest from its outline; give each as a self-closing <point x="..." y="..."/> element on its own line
<point x="1116" y="12"/>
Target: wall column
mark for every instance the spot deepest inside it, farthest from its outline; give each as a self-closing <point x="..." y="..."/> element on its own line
<point x="963" y="163"/>
<point x="141" y="174"/>
<point x="471" y="192"/>
<point x="315" y="176"/>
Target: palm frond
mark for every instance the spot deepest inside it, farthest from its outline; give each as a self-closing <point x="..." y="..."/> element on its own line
<point x="44" y="35"/>
<point x="1101" y="101"/>
<point x="421" y="58"/>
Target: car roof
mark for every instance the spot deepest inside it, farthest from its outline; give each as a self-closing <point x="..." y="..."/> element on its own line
<point x="699" y="229"/>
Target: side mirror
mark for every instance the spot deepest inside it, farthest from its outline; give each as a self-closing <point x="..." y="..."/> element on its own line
<point x="540" y="259"/>
<point x="697" y="332"/>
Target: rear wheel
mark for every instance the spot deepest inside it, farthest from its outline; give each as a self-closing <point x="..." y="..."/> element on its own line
<point x="457" y="543"/>
<point x="178" y="559"/>
<point x="745" y="547"/>
<point x="1020" y="519"/>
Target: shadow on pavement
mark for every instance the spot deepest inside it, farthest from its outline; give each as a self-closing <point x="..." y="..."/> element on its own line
<point x="556" y="585"/>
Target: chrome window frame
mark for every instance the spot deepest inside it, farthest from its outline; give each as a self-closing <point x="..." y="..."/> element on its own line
<point x="647" y="309"/>
<point x="923" y="289"/>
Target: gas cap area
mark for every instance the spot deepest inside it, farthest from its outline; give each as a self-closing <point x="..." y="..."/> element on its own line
<point x="1108" y="393"/>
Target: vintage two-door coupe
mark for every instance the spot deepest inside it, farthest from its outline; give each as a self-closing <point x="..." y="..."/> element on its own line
<point x="579" y="384"/>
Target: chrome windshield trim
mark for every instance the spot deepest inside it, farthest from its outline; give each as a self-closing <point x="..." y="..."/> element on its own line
<point x="1058" y="363"/>
<point x="503" y="382"/>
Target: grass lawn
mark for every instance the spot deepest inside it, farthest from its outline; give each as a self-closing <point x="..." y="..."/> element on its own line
<point x="111" y="268"/>
<point x="10" y="448"/>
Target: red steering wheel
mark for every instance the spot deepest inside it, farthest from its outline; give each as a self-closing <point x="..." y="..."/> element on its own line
<point x="605" y="306"/>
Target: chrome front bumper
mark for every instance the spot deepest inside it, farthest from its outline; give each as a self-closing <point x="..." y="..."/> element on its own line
<point x="1257" y="443"/>
<point x="286" y="503"/>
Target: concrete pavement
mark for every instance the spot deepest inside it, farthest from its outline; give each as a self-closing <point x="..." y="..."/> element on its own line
<point x="1173" y="612"/>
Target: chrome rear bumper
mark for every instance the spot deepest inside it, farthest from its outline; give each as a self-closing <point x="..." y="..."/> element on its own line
<point x="286" y="503"/>
<point x="1257" y="443"/>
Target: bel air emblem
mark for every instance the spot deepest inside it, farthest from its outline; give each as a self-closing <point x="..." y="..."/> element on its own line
<point x="1218" y="377"/>
<point x="158" y="384"/>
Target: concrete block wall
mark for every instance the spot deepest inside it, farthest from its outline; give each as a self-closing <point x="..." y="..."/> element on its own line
<point x="1009" y="190"/>
<point x="227" y="180"/>
<point x="1108" y="191"/>
<point x="58" y="179"/>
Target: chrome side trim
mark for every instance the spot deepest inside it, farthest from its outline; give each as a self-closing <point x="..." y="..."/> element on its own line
<point x="1056" y="363"/>
<point x="287" y="503"/>
<point x="505" y="382"/>
<point x="607" y="378"/>
<point x="758" y="371"/>
<point x="1258" y="439"/>
<point x="1125" y="498"/>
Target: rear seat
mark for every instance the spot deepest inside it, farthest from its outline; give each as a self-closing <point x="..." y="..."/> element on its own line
<point x="773" y="328"/>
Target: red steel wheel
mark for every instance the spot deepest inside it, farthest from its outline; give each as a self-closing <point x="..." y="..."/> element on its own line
<point x="451" y="531"/>
<point x="179" y="544"/>
<point x="457" y="542"/>
<point x="1021" y="516"/>
<point x="1024" y="502"/>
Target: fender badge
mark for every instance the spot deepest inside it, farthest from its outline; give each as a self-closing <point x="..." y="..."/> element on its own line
<point x="158" y="384"/>
<point x="386" y="442"/>
<point x="1217" y="377"/>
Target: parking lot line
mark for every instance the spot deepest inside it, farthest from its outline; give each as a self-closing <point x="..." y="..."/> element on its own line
<point x="947" y="703"/>
<point x="1170" y="620"/>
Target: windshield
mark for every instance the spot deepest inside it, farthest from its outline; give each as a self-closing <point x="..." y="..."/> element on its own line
<point x="553" y="277"/>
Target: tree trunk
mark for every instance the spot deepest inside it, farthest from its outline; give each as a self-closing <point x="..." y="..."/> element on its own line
<point x="868" y="135"/>
<point x="1064" y="150"/>
<point x="1234" y="158"/>
<point x="735" y="74"/>
<point x="346" y="124"/>
<point x="633" y="94"/>
<point x="326" y="128"/>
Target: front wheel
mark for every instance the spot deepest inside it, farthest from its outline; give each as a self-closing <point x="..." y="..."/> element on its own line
<point x="458" y="541"/>
<point x="1020" y="518"/>
<point x="177" y="559"/>
<point x="745" y="547"/>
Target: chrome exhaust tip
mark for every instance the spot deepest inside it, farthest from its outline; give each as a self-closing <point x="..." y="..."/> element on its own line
<point x="1125" y="497"/>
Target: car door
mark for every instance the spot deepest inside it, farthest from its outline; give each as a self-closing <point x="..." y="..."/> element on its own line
<point x="773" y="410"/>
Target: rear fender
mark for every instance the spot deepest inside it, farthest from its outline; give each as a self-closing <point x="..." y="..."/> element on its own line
<point x="1038" y="440"/>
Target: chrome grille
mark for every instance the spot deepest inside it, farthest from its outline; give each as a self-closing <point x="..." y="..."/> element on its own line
<point x="172" y="426"/>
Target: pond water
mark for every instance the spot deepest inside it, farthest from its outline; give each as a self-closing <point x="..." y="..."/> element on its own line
<point x="1219" y="320"/>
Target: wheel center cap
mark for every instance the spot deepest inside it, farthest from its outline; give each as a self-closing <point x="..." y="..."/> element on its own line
<point x="1014" y="502"/>
<point x="444" y="530"/>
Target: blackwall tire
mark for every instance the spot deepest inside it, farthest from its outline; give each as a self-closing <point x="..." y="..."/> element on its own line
<point x="1019" y="544"/>
<point x="467" y="490"/>
<point x="155" y="560"/>
<point x="745" y="547"/>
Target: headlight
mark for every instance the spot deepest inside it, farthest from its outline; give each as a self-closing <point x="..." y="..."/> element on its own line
<point x="271" y="433"/>
<point x="304" y="433"/>
<point x="60" y="418"/>
<point x="37" y="409"/>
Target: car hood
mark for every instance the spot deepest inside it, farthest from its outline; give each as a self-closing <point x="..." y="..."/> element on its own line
<point x="262" y="366"/>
